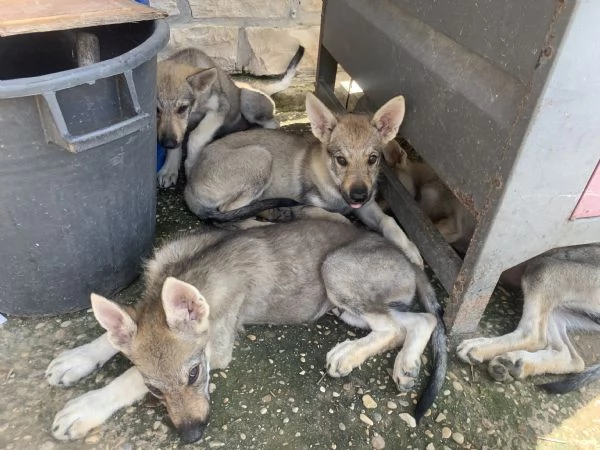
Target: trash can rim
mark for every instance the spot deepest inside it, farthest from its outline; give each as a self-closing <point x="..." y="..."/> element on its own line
<point x="23" y="87"/>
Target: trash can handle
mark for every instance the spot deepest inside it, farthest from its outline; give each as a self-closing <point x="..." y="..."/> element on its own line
<point x="57" y="132"/>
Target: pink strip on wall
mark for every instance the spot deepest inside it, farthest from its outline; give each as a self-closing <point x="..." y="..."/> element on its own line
<point x="589" y="203"/>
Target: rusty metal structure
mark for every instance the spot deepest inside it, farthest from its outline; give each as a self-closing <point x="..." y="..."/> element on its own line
<point x="502" y="102"/>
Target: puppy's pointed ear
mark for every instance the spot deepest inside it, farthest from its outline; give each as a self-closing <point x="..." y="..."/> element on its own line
<point x="116" y="321"/>
<point x="185" y="308"/>
<point x="322" y="121"/>
<point x="388" y="118"/>
<point x="394" y="154"/>
<point x="202" y="80"/>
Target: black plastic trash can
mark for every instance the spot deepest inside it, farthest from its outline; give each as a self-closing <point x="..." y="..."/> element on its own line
<point x="77" y="166"/>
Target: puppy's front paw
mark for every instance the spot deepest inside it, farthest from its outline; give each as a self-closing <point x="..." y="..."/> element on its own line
<point x="415" y="257"/>
<point x="167" y="177"/>
<point x="82" y="414"/>
<point x="71" y="366"/>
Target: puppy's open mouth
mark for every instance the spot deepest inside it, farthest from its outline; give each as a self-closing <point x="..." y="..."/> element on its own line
<point x="354" y="204"/>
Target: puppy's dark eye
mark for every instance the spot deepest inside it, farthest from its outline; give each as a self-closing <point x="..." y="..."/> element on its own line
<point x="182" y="109"/>
<point x="193" y="375"/>
<point x="372" y="160"/>
<point x="341" y="160"/>
<point x="157" y="111"/>
<point x="155" y="391"/>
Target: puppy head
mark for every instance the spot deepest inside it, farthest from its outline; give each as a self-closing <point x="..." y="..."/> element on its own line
<point x="181" y="89"/>
<point x="168" y="346"/>
<point x="353" y="144"/>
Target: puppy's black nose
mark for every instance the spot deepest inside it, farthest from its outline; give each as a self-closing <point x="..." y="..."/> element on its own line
<point x="191" y="431"/>
<point x="168" y="142"/>
<point x="358" y="193"/>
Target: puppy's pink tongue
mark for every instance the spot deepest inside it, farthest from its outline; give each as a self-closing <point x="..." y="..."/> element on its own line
<point x="355" y="205"/>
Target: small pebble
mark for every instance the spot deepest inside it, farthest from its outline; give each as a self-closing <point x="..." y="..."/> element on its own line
<point x="266" y="398"/>
<point x="251" y="337"/>
<point x="428" y="433"/>
<point x="216" y="444"/>
<point x="446" y="432"/>
<point x="457" y="386"/>
<point x="369" y="402"/>
<point x="155" y="425"/>
<point x="347" y="386"/>
<point x="458" y="437"/>
<point x="365" y="419"/>
<point x="440" y="417"/>
<point x="378" y="442"/>
<point x="322" y="389"/>
<point x="391" y="405"/>
<point x="410" y="420"/>
<point x="65" y="324"/>
<point x="447" y="392"/>
<point x="211" y="388"/>
<point x="341" y="426"/>
<point x="336" y="394"/>
<point x="263" y="410"/>
<point x="37" y="327"/>
<point x="243" y="436"/>
<point x="430" y="446"/>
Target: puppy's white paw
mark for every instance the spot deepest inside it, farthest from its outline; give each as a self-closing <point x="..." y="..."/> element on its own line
<point x="341" y="359"/>
<point x="412" y="253"/>
<point x="72" y="365"/>
<point x="405" y="372"/>
<point x="82" y="414"/>
<point x="467" y="350"/>
<point x="167" y="177"/>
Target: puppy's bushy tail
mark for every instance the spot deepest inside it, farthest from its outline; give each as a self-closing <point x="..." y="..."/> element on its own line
<point x="248" y="211"/>
<point x="573" y="382"/>
<point x="280" y="82"/>
<point x="439" y="343"/>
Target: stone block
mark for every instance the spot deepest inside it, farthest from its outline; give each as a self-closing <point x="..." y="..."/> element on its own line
<point x="220" y="43"/>
<point x="263" y="9"/>
<point x="169" y="6"/>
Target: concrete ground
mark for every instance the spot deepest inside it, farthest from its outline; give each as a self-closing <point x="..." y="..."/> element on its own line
<point x="274" y="394"/>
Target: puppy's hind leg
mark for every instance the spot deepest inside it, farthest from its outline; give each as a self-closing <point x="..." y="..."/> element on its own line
<point x="558" y="357"/>
<point x="350" y="285"/>
<point x="529" y="335"/>
<point x="349" y="354"/>
<point x="417" y="328"/>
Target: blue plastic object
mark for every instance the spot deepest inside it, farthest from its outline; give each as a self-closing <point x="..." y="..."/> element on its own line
<point x="161" y="155"/>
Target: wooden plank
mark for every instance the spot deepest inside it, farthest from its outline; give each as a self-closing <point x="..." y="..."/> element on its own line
<point x="18" y="17"/>
<point x="442" y="258"/>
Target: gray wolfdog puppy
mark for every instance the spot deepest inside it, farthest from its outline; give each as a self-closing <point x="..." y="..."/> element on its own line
<point x="196" y="95"/>
<point x="336" y="169"/>
<point x="561" y="290"/>
<point x="203" y="286"/>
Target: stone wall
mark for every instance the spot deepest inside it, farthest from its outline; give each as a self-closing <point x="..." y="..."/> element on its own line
<point x="255" y="36"/>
